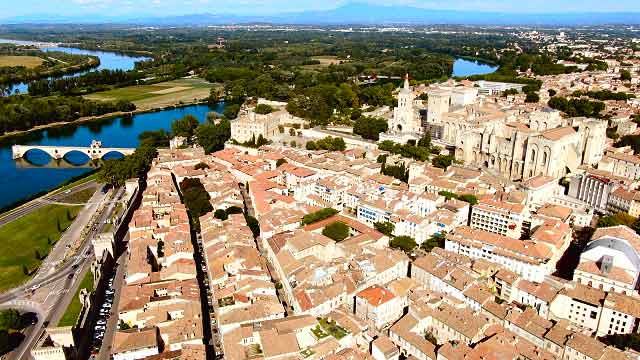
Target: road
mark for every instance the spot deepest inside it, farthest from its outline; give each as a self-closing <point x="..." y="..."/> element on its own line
<point x="36" y="204"/>
<point x="57" y="280"/>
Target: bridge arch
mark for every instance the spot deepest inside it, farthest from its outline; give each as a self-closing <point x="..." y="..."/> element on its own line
<point x="76" y="157"/>
<point x="113" y="154"/>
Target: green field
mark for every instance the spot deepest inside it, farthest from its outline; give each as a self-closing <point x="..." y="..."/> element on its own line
<point x="161" y="94"/>
<point x="21" y="238"/>
<point x="73" y="310"/>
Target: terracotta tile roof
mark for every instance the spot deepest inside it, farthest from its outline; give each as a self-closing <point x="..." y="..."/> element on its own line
<point x="376" y="295"/>
<point x="135" y="339"/>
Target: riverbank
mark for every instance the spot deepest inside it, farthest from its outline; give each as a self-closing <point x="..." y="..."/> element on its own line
<point x="92" y="62"/>
<point x="74" y="181"/>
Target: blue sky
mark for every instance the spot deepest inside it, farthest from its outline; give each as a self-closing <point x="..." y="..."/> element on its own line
<point x="138" y="8"/>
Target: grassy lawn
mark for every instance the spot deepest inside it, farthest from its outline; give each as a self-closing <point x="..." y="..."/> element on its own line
<point x="73" y="310"/>
<point x="161" y="94"/>
<point x="20" y="239"/>
<point x="26" y="61"/>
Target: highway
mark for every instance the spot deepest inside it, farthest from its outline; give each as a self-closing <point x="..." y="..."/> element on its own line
<point x="36" y="204"/>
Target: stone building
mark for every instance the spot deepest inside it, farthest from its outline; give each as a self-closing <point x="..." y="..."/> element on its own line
<point x="517" y="151"/>
<point x="251" y="125"/>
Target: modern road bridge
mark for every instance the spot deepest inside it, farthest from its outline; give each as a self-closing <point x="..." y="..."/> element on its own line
<point x="94" y="151"/>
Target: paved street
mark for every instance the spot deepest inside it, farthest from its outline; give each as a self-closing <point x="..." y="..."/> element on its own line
<point x="112" y="323"/>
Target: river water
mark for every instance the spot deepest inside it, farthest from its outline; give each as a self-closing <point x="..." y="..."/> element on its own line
<point x="108" y="60"/>
<point x="464" y="67"/>
<point x="37" y="172"/>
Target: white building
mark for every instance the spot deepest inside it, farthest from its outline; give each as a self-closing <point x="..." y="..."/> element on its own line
<point x="611" y="261"/>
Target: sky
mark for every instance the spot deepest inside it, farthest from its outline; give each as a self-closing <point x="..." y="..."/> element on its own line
<point x="141" y="8"/>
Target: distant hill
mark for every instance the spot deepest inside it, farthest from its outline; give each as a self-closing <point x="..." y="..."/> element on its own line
<point x="363" y="14"/>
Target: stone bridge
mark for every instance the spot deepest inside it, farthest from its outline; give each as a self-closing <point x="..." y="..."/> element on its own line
<point x="94" y="151"/>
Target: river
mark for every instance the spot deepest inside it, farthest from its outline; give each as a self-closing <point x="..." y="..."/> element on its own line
<point x="108" y="60"/>
<point x="25" y="178"/>
<point x="463" y="67"/>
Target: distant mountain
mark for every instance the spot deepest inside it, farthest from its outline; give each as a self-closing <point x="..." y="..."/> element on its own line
<point x="361" y="14"/>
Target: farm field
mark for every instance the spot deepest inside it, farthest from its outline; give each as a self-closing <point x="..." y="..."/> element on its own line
<point x="158" y="95"/>
<point x="26" y="61"/>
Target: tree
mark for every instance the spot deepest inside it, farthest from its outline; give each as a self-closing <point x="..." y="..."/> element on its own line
<point x="532" y="97"/>
<point x="212" y="137"/>
<point x="469" y="198"/>
<point x="263" y="109"/>
<point x="234" y="210"/>
<point x="327" y="143"/>
<point x="117" y="172"/>
<point x="195" y="197"/>
<point x="10" y="320"/>
<point x="253" y="224"/>
<point x="430" y="338"/>
<point x="38" y="256"/>
<point x="623" y="341"/>
<point x="231" y="111"/>
<point x="437" y="240"/>
<point x="384" y="227"/>
<point x="201" y="166"/>
<point x="292" y="132"/>
<point x="185" y="127"/>
<point x="621" y="218"/>
<point x="221" y="214"/>
<point x="404" y="243"/>
<point x="552" y="92"/>
<point x="337" y="231"/>
<point x="443" y="161"/>
<point x="318" y="215"/>
<point x="625" y="75"/>
<point x="425" y="141"/>
<point x="280" y="162"/>
<point x="370" y="127"/>
<point x="159" y="138"/>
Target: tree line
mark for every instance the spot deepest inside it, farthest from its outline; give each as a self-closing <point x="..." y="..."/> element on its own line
<point x="87" y="83"/>
<point x="23" y="112"/>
